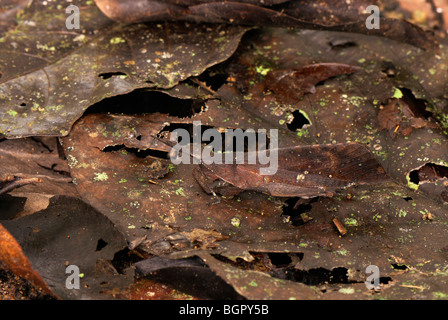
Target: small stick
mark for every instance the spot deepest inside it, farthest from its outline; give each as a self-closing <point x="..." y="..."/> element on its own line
<point x="18" y="183"/>
<point x="339" y="226"/>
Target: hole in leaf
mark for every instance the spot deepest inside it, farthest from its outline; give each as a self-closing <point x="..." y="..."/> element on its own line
<point x="125" y="258"/>
<point x="413" y="177"/>
<point x="320" y="276"/>
<point x="143" y="101"/>
<point x="385" y="280"/>
<point x="280" y="259"/>
<point x="141" y="153"/>
<point x="429" y="172"/>
<point x="296" y="209"/>
<point x="109" y="75"/>
<point x="100" y="245"/>
<point x="417" y="106"/>
<point x="389" y="68"/>
<point x="397" y="266"/>
<point x="213" y="81"/>
<point x="299" y="121"/>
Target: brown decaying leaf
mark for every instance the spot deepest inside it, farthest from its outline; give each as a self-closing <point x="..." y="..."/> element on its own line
<point x="331" y="15"/>
<point x="49" y="76"/>
<point x="170" y="217"/>
<point x="13" y="259"/>
<point x="389" y="116"/>
<point x="35" y="165"/>
<point x="303" y="171"/>
<point x="290" y="85"/>
<point x="69" y="232"/>
<point x="398" y="117"/>
<point x="258" y="285"/>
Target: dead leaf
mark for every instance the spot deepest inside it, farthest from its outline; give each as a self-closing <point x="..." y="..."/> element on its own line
<point x="33" y="170"/>
<point x="290" y="85"/>
<point x="303" y="171"/>
<point x="69" y="232"/>
<point x="320" y="15"/>
<point x="13" y="259"/>
<point x="104" y="59"/>
<point x="389" y="116"/>
<point x="191" y="275"/>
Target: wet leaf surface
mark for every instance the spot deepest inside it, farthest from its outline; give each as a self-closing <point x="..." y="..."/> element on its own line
<point x="54" y="76"/>
<point x="387" y="96"/>
<point x="291" y="85"/>
<point x="320" y="15"/>
<point x="78" y="236"/>
<point x="303" y="171"/>
<point x="189" y="275"/>
<point x="13" y="259"/>
<point x="383" y="218"/>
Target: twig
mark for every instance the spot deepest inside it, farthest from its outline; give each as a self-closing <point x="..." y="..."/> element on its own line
<point x="340" y="227"/>
<point x="18" y="183"/>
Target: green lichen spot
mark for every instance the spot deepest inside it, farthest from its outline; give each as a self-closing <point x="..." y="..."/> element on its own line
<point x="402" y="213"/>
<point x="439" y="295"/>
<point x="397" y="94"/>
<point x="12" y="113"/>
<point x="347" y="290"/>
<point x="71" y="161"/>
<point x="45" y="47"/>
<point x="351" y="222"/>
<point x="300" y="133"/>
<point x="116" y="40"/>
<point x="262" y="70"/>
<point x="235" y="221"/>
<point x="100" y="176"/>
<point x="180" y="192"/>
<point x="253" y="283"/>
<point x="220" y="39"/>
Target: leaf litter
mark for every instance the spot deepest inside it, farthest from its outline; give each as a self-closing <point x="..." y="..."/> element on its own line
<point x="394" y="104"/>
